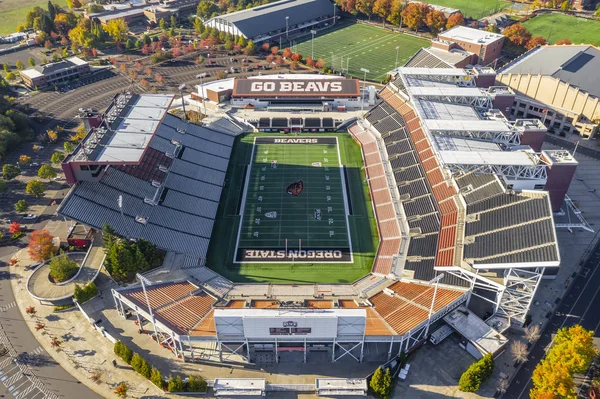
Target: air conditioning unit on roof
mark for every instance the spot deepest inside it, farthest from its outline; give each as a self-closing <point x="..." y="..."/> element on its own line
<point x="141" y="220"/>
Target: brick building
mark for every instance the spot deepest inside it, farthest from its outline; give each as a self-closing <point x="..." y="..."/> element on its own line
<point x="487" y="46"/>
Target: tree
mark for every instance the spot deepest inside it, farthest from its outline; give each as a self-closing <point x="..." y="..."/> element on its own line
<point x="11" y="76"/>
<point x="57" y="158"/>
<point x="198" y="26"/>
<point x="517" y="35"/>
<point x="21" y="206"/>
<point x="532" y="333"/>
<point x="435" y="20"/>
<point x="3" y="188"/>
<point x="40" y="245"/>
<point x="52" y="135"/>
<point x="414" y="15"/>
<point x="552" y="380"/>
<point x="196" y="384"/>
<point x="563" y="42"/>
<point x="383" y="8"/>
<point x="366" y="7"/>
<point x="250" y="48"/>
<point x="297" y="57"/>
<point x="24" y="159"/>
<point x="395" y="16"/>
<point x="381" y="383"/>
<point x="518" y="350"/>
<point x="534" y="42"/>
<point x="10" y="171"/>
<point x="82" y="37"/>
<point x="565" y="5"/>
<point x="68" y="147"/>
<point x="287" y="53"/>
<point x="35" y="188"/>
<point x="20" y="66"/>
<point x="173" y="23"/>
<point x="65" y="22"/>
<point x="31" y="61"/>
<point x="117" y="29"/>
<point x="476" y="374"/>
<point x="121" y="390"/>
<point x="492" y="28"/>
<point x="175" y="384"/>
<point x="455" y="20"/>
<point x="157" y="378"/>
<point x="136" y="362"/>
<point x="14" y="228"/>
<point x="6" y="67"/>
<point x="265" y="47"/>
<point x="597" y="13"/>
<point x="206" y="9"/>
<point x="348" y="6"/>
<point x="77" y="4"/>
<point x="62" y="268"/>
<point x="274" y="50"/>
<point x="574" y="348"/>
<point x="46" y="172"/>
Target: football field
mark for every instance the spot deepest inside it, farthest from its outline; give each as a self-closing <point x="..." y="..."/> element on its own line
<point x="294" y="205"/>
<point x="357" y="46"/>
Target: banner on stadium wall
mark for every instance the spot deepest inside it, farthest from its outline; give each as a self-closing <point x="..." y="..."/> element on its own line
<point x="296" y="88"/>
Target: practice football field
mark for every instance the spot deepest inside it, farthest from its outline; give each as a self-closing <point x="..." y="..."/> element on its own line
<point x="554" y="27"/>
<point x="474" y="9"/>
<point x="361" y="46"/>
<point x="295" y="199"/>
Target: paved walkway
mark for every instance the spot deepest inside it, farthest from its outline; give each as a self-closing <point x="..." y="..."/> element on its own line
<point x="42" y="288"/>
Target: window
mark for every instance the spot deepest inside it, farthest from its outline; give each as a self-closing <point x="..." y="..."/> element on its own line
<point x="84" y="167"/>
<point x="539" y="186"/>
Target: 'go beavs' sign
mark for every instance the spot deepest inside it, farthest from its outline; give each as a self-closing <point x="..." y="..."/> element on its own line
<point x="296" y="88"/>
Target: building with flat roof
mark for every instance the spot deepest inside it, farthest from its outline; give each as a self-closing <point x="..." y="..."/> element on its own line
<point x="559" y="85"/>
<point x="55" y="73"/>
<point x="276" y="20"/>
<point x="145" y="11"/>
<point x="487" y="46"/>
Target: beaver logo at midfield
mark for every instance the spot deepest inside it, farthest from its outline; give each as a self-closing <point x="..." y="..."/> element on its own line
<point x="295" y="188"/>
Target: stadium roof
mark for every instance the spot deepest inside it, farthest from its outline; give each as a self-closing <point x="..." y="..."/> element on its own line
<point x="170" y="197"/>
<point x="576" y="65"/>
<point x="271" y="17"/>
<point x="437" y="58"/>
<point x="502" y="226"/>
<point x="470" y="35"/>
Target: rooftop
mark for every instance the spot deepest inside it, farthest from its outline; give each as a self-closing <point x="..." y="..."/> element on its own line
<point x="577" y="65"/>
<point x="272" y="17"/>
<point x="470" y="35"/>
<point x="129" y="124"/>
<point x="481" y="335"/>
<point x="47" y="69"/>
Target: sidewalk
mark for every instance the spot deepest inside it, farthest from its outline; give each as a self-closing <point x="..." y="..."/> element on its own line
<point x="84" y="353"/>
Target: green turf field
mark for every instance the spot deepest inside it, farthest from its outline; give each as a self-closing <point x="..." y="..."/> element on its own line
<point x="13" y="12"/>
<point x="555" y="27"/>
<point x="361" y="46"/>
<point x="295" y="214"/>
<point x="312" y="217"/>
<point x="474" y="9"/>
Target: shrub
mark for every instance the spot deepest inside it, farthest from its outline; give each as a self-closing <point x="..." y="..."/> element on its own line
<point x="476" y="374"/>
<point x="196" y="384"/>
<point x="17" y="235"/>
<point x="62" y="268"/>
<point x="121" y="390"/>
<point x="136" y="362"/>
<point x="145" y="369"/>
<point x="157" y="378"/>
<point x="175" y="384"/>
<point x="63" y="307"/>
<point x="123" y="352"/>
<point x="86" y="293"/>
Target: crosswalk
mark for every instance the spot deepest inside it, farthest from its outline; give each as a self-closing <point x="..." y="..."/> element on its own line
<point x="6" y="307"/>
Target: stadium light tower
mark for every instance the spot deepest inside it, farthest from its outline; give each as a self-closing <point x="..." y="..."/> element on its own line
<point x="314" y="32"/>
<point x="287" y="28"/>
<point x="435" y="281"/>
<point x="362" y="102"/>
<point x="397" y="51"/>
<point x="181" y="87"/>
<point x="202" y="88"/>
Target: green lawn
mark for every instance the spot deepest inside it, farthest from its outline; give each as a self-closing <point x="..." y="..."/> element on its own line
<point x="360" y="46"/>
<point x="361" y="222"/>
<point x="555" y="27"/>
<point x="13" y="12"/>
<point x="474" y="9"/>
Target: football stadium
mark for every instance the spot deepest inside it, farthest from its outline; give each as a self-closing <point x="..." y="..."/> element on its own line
<point x="430" y="209"/>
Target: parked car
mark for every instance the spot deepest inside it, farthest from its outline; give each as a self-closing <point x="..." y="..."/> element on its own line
<point x="31" y="216"/>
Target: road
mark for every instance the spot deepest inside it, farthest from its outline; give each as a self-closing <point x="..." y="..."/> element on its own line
<point x="579" y="306"/>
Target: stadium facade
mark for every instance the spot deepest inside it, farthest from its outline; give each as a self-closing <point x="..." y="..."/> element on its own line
<point x="277" y="20"/>
<point x="463" y="198"/>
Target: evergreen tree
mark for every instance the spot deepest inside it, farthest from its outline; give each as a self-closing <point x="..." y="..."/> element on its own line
<point x="51" y="10"/>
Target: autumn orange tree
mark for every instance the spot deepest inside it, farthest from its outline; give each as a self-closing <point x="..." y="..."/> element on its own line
<point x="456" y="19"/>
<point x="435" y="20"/>
<point x="517" y="35"/>
<point x="535" y="41"/>
<point x="572" y="352"/>
<point x="383" y="8"/>
<point x="40" y="245"/>
<point x="414" y="15"/>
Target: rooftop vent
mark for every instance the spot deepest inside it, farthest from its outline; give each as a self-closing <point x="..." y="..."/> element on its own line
<point x="141" y="219"/>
